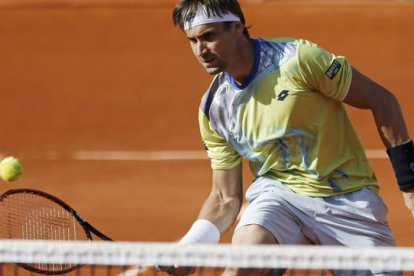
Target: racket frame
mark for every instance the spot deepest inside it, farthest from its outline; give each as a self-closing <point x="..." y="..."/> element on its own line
<point x="87" y="227"/>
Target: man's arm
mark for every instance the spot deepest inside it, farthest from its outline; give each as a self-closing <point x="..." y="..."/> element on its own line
<point x="218" y="213"/>
<point x="366" y="94"/>
<point x="220" y="209"/>
<point x="224" y="202"/>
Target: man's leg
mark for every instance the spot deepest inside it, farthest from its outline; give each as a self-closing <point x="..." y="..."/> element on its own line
<point x="356" y="219"/>
<point x="268" y="219"/>
<point x="253" y="234"/>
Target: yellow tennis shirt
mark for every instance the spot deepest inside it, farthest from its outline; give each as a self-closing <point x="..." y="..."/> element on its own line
<point x="288" y="120"/>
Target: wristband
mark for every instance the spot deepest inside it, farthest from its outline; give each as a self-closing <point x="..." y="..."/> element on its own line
<point x="202" y="231"/>
<point x="402" y="160"/>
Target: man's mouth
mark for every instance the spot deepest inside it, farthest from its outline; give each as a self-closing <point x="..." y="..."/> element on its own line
<point x="208" y="60"/>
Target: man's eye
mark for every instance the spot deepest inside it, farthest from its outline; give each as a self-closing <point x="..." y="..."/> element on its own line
<point x="207" y="37"/>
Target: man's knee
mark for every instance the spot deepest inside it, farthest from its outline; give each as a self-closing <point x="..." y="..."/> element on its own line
<point x="253" y="234"/>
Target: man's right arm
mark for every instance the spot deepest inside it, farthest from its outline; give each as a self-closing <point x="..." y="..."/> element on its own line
<point x="224" y="202"/>
<point x="217" y="214"/>
<point x="220" y="209"/>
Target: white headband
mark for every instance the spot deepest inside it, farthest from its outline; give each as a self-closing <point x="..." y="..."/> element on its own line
<point x="201" y="18"/>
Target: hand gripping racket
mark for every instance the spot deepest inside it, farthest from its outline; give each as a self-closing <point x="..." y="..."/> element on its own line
<point x="29" y="214"/>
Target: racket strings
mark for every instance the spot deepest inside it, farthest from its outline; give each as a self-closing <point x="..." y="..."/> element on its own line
<point x="29" y="216"/>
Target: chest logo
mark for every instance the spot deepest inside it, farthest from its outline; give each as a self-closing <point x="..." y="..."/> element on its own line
<point x="282" y="95"/>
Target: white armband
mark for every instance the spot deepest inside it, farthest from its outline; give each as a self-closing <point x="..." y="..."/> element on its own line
<point x="202" y="231"/>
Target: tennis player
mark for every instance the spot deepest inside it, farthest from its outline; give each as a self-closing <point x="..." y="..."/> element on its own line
<point x="281" y="104"/>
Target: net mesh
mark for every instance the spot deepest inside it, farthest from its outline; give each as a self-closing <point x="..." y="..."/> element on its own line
<point x="127" y="258"/>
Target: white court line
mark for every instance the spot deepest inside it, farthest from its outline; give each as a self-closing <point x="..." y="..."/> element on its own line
<point x="169" y="155"/>
<point x="137" y="155"/>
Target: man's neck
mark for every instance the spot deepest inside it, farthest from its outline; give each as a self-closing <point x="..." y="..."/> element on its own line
<point x="242" y="67"/>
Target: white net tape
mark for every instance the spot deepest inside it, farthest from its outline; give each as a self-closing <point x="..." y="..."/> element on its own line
<point x="223" y="255"/>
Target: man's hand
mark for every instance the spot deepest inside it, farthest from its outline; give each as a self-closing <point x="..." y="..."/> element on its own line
<point x="409" y="200"/>
<point x="177" y="270"/>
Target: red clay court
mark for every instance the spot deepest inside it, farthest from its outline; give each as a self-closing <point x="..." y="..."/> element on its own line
<point x="100" y="102"/>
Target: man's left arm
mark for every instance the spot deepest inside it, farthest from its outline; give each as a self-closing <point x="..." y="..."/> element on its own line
<point x="364" y="93"/>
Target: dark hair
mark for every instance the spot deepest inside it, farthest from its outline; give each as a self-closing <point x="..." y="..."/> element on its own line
<point x="185" y="11"/>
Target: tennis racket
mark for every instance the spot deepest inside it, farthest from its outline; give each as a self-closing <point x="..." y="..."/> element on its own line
<point x="29" y="214"/>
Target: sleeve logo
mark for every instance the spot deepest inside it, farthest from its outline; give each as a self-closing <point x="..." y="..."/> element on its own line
<point x="333" y="69"/>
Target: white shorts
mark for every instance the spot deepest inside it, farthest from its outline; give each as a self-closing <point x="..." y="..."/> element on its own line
<point x="355" y="219"/>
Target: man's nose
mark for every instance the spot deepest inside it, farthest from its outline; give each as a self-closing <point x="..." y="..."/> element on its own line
<point x="201" y="49"/>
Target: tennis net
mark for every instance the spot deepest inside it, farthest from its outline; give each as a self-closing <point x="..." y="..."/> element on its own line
<point x="139" y="258"/>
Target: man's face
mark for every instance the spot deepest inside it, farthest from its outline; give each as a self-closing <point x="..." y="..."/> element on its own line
<point x="214" y="46"/>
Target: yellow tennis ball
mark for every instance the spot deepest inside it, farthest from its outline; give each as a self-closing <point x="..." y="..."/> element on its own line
<point x="10" y="169"/>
